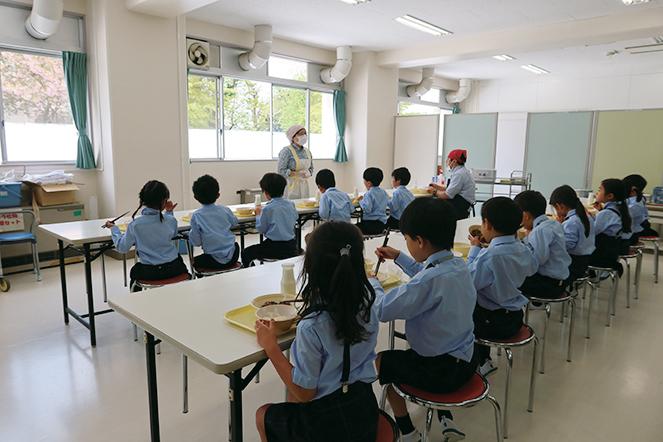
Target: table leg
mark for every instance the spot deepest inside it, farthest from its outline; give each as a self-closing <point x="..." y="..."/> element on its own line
<point x="242" y="234"/>
<point x="235" y="396"/>
<point x="152" y="387"/>
<point x="63" y="281"/>
<point x="90" y="297"/>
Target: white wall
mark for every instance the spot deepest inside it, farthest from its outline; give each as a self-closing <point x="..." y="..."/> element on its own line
<point x="551" y="93"/>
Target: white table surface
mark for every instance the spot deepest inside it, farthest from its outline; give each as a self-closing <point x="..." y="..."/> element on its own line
<point x="190" y="315"/>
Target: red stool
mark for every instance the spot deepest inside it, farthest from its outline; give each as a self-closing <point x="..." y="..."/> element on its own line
<point x="387" y="429"/>
<point x="524" y="337"/>
<point x="201" y="272"/>
<point x="470" y="394"/>
<point x="156" y="283"/>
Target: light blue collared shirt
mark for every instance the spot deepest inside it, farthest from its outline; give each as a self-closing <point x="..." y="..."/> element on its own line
<point x="277" y="220"/>
<point x="461" y="183"/>
<point x="574" y="232"/>
<point x="153" y="238"/>
<point x="638" y="211"/>
<point x="335" y="206"/>
<point x="607" y="221"/>
<point x="374" y="204"/>
<point x="437" y="305"/>
<point x="210" y="228"/>
<point x="399" y="201"/>
<point x="317" y="355"/>
<point x="548" y="244"/>
<point x="499" y="270"/>
<point x="287" y="162"/>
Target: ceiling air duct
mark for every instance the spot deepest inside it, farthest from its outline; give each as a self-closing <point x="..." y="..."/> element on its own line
<point x="44" y="18"/>
<point x="417" y="90"/>
<point x="463" y="92"/>
<point x="341" y="69"/>
<point x="262" y="49"/>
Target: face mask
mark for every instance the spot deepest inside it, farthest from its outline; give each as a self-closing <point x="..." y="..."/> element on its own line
<point x="302" y="139"/>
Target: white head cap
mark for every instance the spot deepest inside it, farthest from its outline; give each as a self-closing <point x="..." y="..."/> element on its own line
<point x="292" y="131"/>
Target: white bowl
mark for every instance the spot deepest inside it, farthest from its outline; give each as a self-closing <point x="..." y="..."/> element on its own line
<point x="282" y="315"/>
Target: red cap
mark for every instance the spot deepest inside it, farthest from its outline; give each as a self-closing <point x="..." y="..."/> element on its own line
<point x="459" y="155"/>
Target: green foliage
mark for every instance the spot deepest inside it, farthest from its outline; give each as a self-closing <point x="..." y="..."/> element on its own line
<point x="202" y="102"/>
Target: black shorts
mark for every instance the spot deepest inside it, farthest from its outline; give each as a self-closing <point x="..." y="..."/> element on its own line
<point x="436" y="374"/>
<point x="371" y="227"/>
<point x="539" y="286"/>
<point x="207" y="261"/>
<point x="393" y="223"/>
<point x="350" y="417"/>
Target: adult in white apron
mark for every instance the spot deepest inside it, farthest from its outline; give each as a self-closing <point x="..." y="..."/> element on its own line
<point x="296" y="164"/>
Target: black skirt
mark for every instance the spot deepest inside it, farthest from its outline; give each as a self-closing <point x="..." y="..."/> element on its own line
<point x="347" y="417"/>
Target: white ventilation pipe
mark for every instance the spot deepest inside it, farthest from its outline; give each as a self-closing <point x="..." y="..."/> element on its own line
<point x="44" y="18"/>
<point x="341" y="69"/>
<point x="463" y="92"/>
<point x="417" y="90"/>
<point x="262" y="49"/>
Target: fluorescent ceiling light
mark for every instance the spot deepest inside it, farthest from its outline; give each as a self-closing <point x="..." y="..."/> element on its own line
<point x="421" y="25"/>
<point x="634" y="2"/>
<point x="534" y="69"/>
<point x="355" y="2"/>
<point x="504" y="57"/>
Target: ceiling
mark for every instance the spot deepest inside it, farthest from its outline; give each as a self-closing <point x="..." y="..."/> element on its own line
<point x="371" y="26"/>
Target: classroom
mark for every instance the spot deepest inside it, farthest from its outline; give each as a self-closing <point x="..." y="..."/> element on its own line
<point x="331" y="220"/>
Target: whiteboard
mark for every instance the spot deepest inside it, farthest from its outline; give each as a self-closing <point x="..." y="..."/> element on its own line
<point x="416" y="140"/>
<point x="475" y="132"/>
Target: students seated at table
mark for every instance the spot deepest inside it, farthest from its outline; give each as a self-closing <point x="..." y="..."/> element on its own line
<point x="373" y="203"/>
<point x="612" y="221"/>
<point x="637" y="207"/>
<point x="276" y="221"/>
<point x="437" y="305"/>
<point x="335" y="205"/>
<point x="497" y="272"/>
<point x="401" y="197"/>
<point x="210" y="228"/>
<point x="578" y="229"/>
<point x="152" y="233"/>
<point x="333" y="354"/>
<point x="545" y="237"/>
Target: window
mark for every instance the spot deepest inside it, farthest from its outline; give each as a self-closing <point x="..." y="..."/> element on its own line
<point x="408" y="108"/>
<point x="250" y="120"/>
<point x="433" y="96"/>
<point x="203" y="117"/>
<point x="287" y="69"/>
<point x="34" y="107"/>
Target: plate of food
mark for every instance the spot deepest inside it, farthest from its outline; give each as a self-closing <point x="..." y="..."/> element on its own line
<point x="245" y="212"/>
<point x="272" y="299"/>
<point x="284" y="316"/>
<point x="308" y="204"/>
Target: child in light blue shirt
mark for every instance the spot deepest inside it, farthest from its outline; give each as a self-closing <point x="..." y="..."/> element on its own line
<point x="210" y="228"/>
<point x="335" y="205"/>
<point x="373" y="203"/>
<point x="276" y="221"/>
<point x="401" y="197"/>
<point x="611" y="223"/>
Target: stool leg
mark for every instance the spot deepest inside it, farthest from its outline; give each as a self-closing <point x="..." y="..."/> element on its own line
<point x="532" y="377"/>
<point x="498" y="417"/>
<point x="572" y="304"/>
<point x="135" y="332"/>
<point x="609" y="311"/>
<point x="383" y="397"/>
<point x="429" y="422"/>
<point x="561" y="316"/>
<point x="509" y="367"/>
<point x="542" y="366"/>
<point x="35" y="260"/>
<point x="124" y="268"/>
<point x="392" y="335"/>
<point x="655" y="262"/>
<point x="615" y="288"/>
<point x="628" y="283"/>
<point x="638" y="270"/>
<point x="592" y="293"/>
<point x="185" y="384"/>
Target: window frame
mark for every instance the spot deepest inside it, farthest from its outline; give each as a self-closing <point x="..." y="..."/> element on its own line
<point x="3" y="140"/>
<point x="308" y="87"/>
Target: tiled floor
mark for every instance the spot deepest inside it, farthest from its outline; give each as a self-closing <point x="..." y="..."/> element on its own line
<point x="54" y="387"/>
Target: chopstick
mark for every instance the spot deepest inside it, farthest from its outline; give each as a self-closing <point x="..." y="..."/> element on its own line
<point x="113" y="221"/>
<point x="384" y="244"/>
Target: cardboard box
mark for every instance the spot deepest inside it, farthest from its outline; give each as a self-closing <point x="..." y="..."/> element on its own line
<point x="54" y="194"/>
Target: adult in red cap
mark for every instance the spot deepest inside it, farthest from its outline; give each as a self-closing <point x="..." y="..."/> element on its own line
<point x="460" y="187"/>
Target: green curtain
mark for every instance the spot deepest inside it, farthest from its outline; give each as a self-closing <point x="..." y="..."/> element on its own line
<point x="75" y="74"/>
<point x="339" y="112"/>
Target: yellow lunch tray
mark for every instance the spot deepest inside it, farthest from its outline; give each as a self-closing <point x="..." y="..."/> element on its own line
<point x="186" y="218"/>
<point x="122" y="227"/>
<point x="419" y="191"/>
<point x="391" y="281"/>
<point x="245" y="317"/>
<point x="243" y="215"/>
<point x="308" y="206"/>
<point x="462" y="248"/>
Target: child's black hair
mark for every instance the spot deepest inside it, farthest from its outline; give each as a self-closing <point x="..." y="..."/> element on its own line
<point x="431" y="219"/>
<point x="325" y="179"/>
<point x="374" y="176"/>
<point x="152" y="195"/>
<point x="532" y="202"/>
<point x="567" y="196"/>
<point x="206" y="189"/>
<point x="637" y="183"/>
<point x="617" y="188"/>
<point x="503" y="214"/>
<point x="402" y="175"/>
<point x="334" y="279"/>
<point x="274" y="184"/>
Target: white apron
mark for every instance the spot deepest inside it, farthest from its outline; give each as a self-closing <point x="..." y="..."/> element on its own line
<point x="297" y="185"/>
